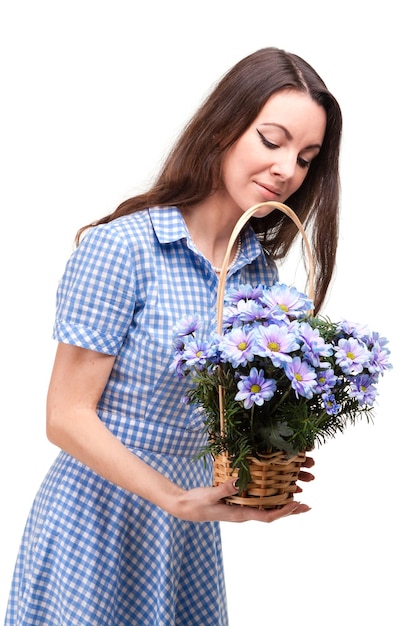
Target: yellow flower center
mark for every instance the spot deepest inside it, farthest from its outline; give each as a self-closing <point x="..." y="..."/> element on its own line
<point x="274" y="346"/>
<point x="350" y="355"/>
<point x="255" y="388"/>
<point x="199" y="353"/>
<point x="242" y="345"/>
<point x="283" y="307"/>
<point x="298" y="377"/>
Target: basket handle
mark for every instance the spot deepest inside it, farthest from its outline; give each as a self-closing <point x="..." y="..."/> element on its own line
<point x="223" y="274"/>
<point x="235" y="233"/>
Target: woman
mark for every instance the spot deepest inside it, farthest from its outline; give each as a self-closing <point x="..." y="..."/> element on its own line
<point x="124" y="529"/>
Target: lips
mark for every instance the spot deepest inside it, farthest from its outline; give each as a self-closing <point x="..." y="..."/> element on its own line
<point x="268" y="189"/>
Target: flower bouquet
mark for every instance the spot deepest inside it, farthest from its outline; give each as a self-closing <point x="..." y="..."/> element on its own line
<point x="275" y="381"/>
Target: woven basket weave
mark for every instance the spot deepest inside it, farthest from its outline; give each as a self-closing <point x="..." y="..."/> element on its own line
<point x="273" y="476"/>
<point x="273" y="479"/>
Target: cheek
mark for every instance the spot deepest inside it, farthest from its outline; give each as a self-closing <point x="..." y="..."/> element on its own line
<point x="242" y="154"/>
<point x="299" y="179"/>
<point x="233" y="167"/>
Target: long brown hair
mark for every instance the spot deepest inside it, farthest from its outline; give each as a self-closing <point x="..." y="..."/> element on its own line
<point x="192" y="170"/>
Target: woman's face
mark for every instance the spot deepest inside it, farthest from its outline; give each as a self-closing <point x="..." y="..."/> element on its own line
<point x="271" y="159"/>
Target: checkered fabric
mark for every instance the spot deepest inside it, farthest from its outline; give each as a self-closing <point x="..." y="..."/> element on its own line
<point x="93" y="554"/>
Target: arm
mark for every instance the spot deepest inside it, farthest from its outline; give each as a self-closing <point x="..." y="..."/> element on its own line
<point x="77" y="382"/>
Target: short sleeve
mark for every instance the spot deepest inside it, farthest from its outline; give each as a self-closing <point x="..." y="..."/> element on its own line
<point x="96" y="295"/>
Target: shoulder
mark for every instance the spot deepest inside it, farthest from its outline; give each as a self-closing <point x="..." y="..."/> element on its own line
<point x="128" y="228"/>
<point x="162" y="224"/>
<point x="124" y="236"/>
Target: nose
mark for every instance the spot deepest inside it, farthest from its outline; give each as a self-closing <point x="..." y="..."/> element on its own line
<point x="284" y="165"/>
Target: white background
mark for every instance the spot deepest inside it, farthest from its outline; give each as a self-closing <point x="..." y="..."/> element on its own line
<point x="92" y="96"/>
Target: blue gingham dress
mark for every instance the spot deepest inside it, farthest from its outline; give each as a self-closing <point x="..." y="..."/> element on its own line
<point x="92" y="553"/>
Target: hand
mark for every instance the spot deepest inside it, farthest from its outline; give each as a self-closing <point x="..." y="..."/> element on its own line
<point x="305" y="476"/>
<point x="205" y="504"/>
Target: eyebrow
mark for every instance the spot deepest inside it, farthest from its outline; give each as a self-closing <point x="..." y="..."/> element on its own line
<point x="289" y="136"/>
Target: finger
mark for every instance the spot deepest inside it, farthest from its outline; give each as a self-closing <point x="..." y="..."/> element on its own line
<point x="235" y="513"/>
<point x="292" y="508"/>
<point x="305" y="476"/>
<point x="308" y="462"/>
<point x="300" y="508"/>
<point x="228" y="488"/>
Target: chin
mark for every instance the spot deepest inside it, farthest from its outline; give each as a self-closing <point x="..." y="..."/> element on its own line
<point x="264" y="211"/>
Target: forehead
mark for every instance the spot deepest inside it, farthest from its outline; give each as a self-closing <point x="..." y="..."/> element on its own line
<point x="295" y="111"/>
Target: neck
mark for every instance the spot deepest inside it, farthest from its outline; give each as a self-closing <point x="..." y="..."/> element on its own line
<point x="210" y="224"/>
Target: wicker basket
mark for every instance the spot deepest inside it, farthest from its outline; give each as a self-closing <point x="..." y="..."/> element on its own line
<point x="273" y="476"/>
<point x="273" y="479"/>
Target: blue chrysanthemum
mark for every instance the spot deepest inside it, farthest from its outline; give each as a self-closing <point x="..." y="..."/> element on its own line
<point x="286" y="302"/>
<point x="363" y="390"/>
<point x="276" y="343"/>
<point x="237" y="347"/>
<point x="255" y="388"/>
<point x="302" y="376"/>
<point x="351" y="355"/>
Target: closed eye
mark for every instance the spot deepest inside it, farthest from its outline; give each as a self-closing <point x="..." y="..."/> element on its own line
<point x="303" y="163"/>
<point x="268" y="144"/>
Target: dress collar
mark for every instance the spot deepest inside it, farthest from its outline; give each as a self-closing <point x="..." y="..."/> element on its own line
<point x="169" y="226"/>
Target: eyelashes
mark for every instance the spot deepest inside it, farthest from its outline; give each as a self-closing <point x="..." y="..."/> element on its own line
<point x="268" y="144"/>
<point x="303" y="163"/>
<point x="273" y="146"/>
